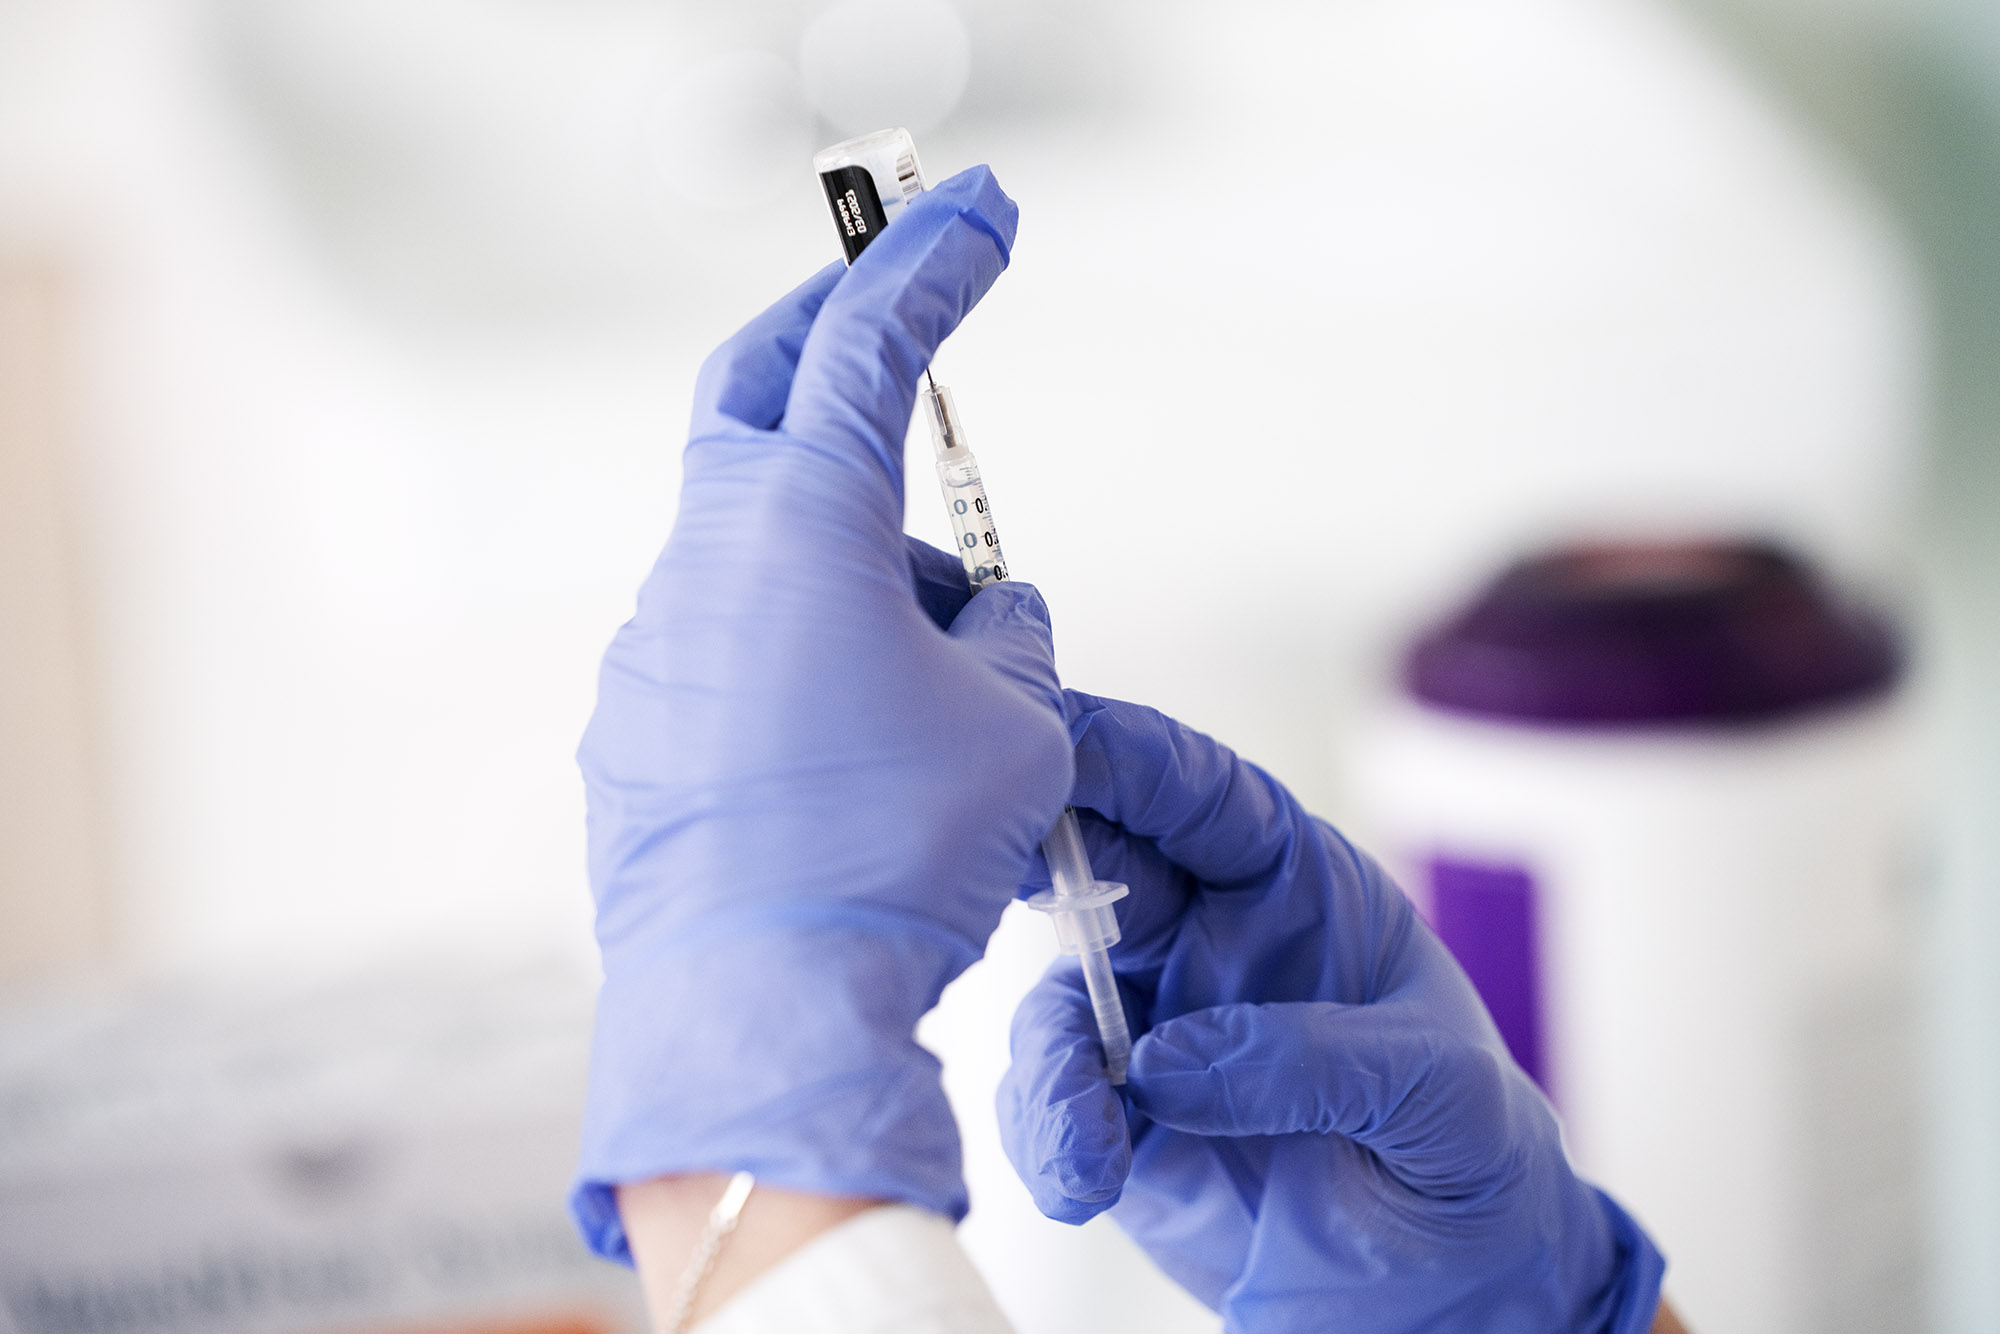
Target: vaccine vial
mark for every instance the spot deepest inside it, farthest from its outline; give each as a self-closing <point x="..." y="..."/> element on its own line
<point x="867" y="182"/>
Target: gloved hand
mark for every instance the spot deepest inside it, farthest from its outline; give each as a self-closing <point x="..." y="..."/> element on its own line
<point x="1323" y="1129"/>
<point x="808" y="799"/>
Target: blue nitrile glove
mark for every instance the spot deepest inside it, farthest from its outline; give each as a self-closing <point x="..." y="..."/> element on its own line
<point x="809" y="800"/>
<point x="1324" y="1130"/>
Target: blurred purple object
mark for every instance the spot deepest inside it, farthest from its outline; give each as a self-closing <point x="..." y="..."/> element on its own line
<point x="1486" y="916"/>
<point x="1635" y="635"/>
<point x="1625" y="636"/>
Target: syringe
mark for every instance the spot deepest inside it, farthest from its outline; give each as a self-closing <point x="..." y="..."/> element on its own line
<point x="867" y="181"/>
<point x="1079" y="903"/>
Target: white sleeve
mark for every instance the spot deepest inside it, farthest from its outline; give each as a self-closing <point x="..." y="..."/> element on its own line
<point x="895" y="1268"/>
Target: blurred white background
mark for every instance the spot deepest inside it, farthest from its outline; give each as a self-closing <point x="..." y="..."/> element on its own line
<point x="358" y="339"/>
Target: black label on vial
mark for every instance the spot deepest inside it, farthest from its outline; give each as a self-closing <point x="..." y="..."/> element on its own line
<point x="857" y="209"/>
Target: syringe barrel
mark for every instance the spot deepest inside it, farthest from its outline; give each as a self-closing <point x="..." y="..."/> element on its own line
<point x="964" y="491"/>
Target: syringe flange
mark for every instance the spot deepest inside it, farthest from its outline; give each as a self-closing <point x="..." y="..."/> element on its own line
<point x="1083" y="921"/>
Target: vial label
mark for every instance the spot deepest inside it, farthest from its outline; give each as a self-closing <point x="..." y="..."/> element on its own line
<point x="908" y="179"/>
<point x="857" y="209"/>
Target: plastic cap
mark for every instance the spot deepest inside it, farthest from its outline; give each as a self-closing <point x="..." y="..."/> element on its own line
<point x="1633" y="635"/>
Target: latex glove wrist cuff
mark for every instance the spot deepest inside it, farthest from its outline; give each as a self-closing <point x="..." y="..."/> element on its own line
<point x="826" y="1088"/>
<point x="1632" y="1298"/>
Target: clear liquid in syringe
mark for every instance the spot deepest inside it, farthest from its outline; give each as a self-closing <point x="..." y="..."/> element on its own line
<point x="978" y="540"/>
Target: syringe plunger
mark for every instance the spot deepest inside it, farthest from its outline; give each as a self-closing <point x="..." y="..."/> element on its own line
<point x="1086" y="925"/>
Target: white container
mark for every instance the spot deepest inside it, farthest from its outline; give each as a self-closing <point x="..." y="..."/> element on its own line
<point x="1697" y="934"/>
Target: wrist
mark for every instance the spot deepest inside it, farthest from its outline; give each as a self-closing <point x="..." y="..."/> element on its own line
<point x="666" y="1218"/>
<point x="1633" y="1302"/>
<point x="1665" y="1321"/>
<point x="787" y="1053"/>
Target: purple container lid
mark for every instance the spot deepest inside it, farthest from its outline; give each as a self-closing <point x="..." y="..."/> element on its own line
<point x="1648" y="634"/>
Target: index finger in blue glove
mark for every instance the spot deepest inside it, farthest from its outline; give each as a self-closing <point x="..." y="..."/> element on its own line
<point x="746" y="381"/>
<point x="1061" y="1123"/>
<point x="856" y="381"/>
<point x="1225" y="820"/>
<point x="1438" y="1109"/>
